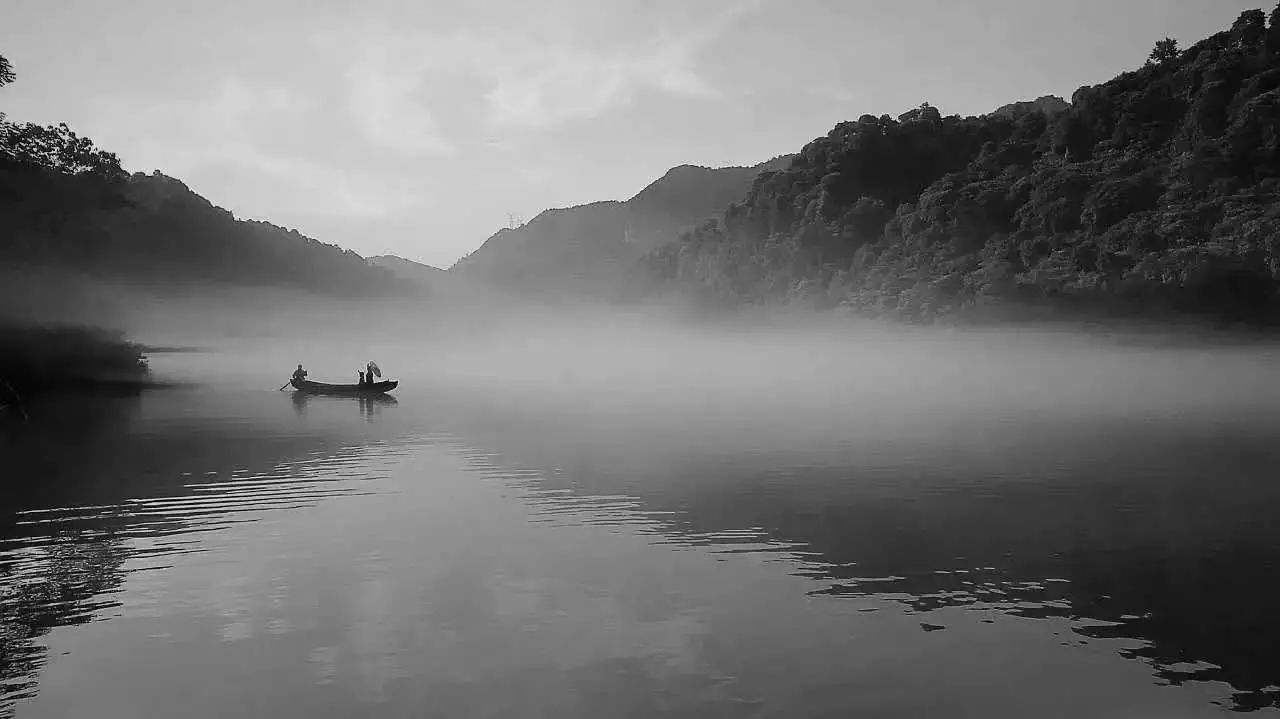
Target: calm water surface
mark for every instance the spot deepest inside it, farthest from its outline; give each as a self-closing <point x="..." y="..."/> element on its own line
<point x="218" y="551"/>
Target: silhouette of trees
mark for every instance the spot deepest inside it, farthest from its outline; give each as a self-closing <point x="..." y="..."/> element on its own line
<point x="57" y="148"/>
<point x="40" y="358"/>
<point x="1164" y="51"/>
<point x="6" y="76"/>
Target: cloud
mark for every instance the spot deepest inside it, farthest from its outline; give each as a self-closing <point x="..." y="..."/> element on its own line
<point x="383" y="95"/>
<point x="532" y="71"/>
<point x="232" y="133"/>
<point x="575" y="81"/>
<point x="574" y="84"/>
<point x="307" y="187"/>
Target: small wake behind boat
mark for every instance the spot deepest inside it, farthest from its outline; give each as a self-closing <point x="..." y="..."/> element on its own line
<point x="310" y="387"/>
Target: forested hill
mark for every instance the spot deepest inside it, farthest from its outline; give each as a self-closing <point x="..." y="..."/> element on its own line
<point x="587" y="249"/>
<point x="1158" y="191"/>
<point x="67" y="205"/>
<point x="152" y="229"/>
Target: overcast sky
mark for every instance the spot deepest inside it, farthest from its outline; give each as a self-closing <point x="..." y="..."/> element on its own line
<point x="416" y="127"/>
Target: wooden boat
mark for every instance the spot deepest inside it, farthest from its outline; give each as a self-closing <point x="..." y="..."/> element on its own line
<point x="376" y="388"/>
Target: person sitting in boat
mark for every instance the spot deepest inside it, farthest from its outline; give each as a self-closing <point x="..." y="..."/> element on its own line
<point x="299" y="375"/>
<point x="361" y="381"/>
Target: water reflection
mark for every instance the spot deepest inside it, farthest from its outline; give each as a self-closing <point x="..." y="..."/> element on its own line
<point x="1159" y="533"/>
<point x="1164" y="540"/>
<point x="59" y="583"/>
<point x="93" y="492"/>
<point x="370" y="406"/>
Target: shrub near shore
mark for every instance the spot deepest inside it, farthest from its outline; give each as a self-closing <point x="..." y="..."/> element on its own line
<point x="40" y="358"/>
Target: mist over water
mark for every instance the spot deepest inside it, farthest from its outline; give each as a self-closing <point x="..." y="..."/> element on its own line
<point x="592" y="512"/>
<point x="754" y="380"/>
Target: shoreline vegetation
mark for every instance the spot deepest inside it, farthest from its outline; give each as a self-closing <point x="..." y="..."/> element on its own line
<point x="35" y="359"/>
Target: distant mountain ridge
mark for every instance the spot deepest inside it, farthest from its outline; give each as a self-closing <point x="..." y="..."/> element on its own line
<point x="434" y="282"/>
<point x="680" y="198"/>
<point x="406" y="268"/>
<point x="589" y="249"/>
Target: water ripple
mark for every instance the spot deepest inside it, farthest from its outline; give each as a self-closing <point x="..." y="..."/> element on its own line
<point x="64" y="565"/>
<point x="1026" y="592"/>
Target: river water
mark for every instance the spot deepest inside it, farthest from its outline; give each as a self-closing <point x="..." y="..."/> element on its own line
<point x="224" y="549"/>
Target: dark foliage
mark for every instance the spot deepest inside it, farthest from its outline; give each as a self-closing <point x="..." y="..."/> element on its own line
<point x="6" y="76"/>
<point x="68" y="208"/>
<point x="66" y="203"/>
<point x="1164" y="51"/>
<point x="33" y="359"/>
<point x="57" y="148"/>
<point x="1158" y="191"/>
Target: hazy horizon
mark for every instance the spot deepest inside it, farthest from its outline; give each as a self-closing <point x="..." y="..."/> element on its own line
<point x="418" y="130"/>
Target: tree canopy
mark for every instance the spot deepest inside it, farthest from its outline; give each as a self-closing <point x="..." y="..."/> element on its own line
<point x="1164" y="51"/>
<point x="1158" y="191"/>
<point x="57" y="148"/>
<point x="6" y="76"/>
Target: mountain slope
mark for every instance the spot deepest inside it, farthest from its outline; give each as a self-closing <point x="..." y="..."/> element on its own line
<point x="447" y="287"/>
<point x="683" y="196"/>
<point x="408" y="269"/>
<point x="1158" y="191"/>
<point x="588" y="249"/>
<point x="66" y="205"/>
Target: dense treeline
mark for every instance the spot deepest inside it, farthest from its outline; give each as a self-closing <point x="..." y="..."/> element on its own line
<point x="1158" y="191"/>
<point x="65" y="203"/>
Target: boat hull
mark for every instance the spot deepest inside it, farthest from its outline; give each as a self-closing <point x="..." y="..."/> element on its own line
<point x="377" y="388"/>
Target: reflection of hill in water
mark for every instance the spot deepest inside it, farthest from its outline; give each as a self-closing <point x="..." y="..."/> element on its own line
<point x="92" y="491"/>
<point x="1160" y="533"/>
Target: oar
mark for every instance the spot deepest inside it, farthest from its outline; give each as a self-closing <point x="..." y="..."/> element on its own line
<point x="286" y="384"/>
